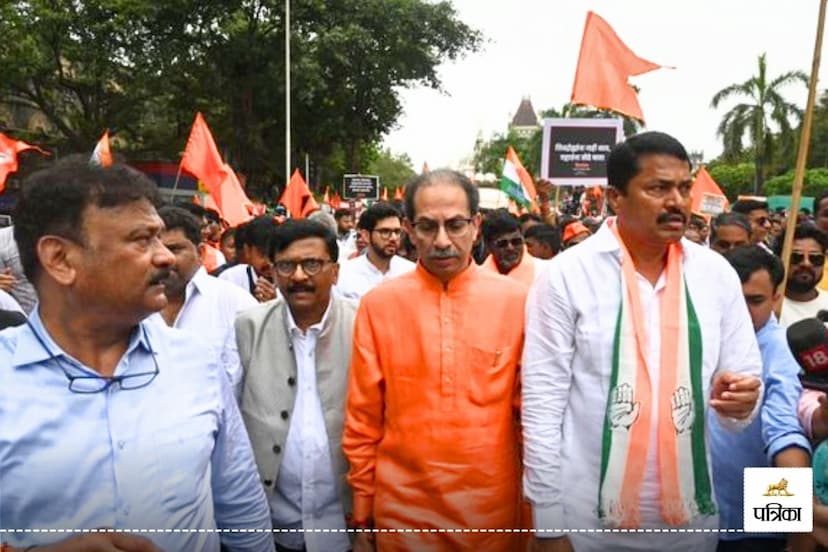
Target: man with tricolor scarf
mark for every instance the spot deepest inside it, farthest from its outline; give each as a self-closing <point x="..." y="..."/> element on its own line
<point x="630" y="338"/>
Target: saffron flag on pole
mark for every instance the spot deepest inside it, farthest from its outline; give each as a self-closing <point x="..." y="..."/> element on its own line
<point x="516" y="181"/>
<point x="707" y="197"/>
<point x="298" y="198"/>
<point x="202" y="159"/>
<point x="384" y="195"/>
<point x="102" y="154"/>
<point x="9" y="148"/>
<point x="604" y="65"/>
<point x="398" y="193"/>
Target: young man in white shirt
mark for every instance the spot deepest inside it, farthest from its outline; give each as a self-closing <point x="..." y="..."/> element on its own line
<point x="380" y="226"/>
<point x="627" y="346"/>
<point x="198" y="302"/>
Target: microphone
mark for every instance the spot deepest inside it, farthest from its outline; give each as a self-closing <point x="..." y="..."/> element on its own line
<point x="808" y="341"/>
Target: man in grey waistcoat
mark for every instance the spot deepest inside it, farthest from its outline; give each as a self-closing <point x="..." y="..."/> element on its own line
<point x="295" y="353"/>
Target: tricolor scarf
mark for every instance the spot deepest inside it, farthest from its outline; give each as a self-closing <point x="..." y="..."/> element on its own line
<point x="682" y="459"/>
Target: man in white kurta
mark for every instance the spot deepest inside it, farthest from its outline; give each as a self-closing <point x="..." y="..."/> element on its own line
<point x="572" y="317"/>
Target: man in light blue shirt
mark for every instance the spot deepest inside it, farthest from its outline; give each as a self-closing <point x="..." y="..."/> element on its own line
<point x="107" y="420"/>
<point x="776" y="437"/>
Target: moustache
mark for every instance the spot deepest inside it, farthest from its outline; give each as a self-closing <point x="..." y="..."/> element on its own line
<point x="160" y="276"/>
<point x="301" y="289"/>
<point x="672" y="216"/>
<point x="444" y="254"/>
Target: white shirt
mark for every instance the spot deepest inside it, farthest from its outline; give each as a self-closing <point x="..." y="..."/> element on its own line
<point x="347" y="245"/>
<point x="7" y="302"/>
<point x="571" y="319"/>
<point x="358" y="276"/>
<point x="794" y="311"/>
<point x="242" y="275"/>
<point x="209" y="310"/>
<point x="306" y="496"/>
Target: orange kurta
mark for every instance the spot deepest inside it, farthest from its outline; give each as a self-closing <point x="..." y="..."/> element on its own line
<point x="431" y="428"/>
<point x="524" y="272"/>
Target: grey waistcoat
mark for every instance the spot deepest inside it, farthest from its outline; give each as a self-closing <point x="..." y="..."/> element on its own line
<point x="269" y="384"/>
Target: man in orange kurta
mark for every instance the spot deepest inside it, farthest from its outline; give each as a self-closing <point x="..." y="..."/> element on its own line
<point x="501" y="232"/>
<point x="431" y="430"/>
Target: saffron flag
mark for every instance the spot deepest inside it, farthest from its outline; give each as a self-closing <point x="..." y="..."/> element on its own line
<point x="102" y="154"/>
<point x="707" y="197"/>
<point x="326" y="198"/>
<point x="516" y="181"/>
<point x="384" y="195"/>
<point x="604" y="65"/>
<point x="398" y="193"/>
<point x="201" y="157"/>
<point x="336" y="201"/>
<point x="9" y="148"/>
<point x="298" y="198"/>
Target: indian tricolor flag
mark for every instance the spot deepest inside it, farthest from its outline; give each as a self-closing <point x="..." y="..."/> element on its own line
<point x="102" y="155"/>
<point x="516" y="181"/>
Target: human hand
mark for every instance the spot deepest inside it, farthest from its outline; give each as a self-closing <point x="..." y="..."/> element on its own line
<point x="623" y="411"/>
<point x="264" y="290"/>
<point x="101" y="542"/>
<point x="7" y="281"/>
<point x="734" y="395"/>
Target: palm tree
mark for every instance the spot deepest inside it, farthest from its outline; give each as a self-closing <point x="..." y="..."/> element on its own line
<point x="764" y="105"/>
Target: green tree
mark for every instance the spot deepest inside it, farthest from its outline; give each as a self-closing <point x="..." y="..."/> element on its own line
<point x="815" y="182"/>
<point x="143" y="68"/>
<point x="734" y="179"/>
<point x="394" y="170"/>
<point x="763" y="107"/>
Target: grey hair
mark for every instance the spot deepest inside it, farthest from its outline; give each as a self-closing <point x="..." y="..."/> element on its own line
<point x="325" y="218"/>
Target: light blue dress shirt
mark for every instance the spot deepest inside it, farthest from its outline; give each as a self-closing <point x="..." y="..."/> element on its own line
<point x="776" y="429"/>
<point x="172" y="455"/>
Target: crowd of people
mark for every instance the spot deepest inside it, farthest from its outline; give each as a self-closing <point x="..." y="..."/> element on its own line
<point x="424" y="376"/>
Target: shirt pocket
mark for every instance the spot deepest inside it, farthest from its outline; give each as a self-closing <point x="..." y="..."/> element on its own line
<point x="491" y="375"/>
<point x="182" y="456"/>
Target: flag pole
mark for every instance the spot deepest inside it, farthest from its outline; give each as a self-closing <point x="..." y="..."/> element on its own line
<point x="802" y="154"/>
<point x="287" y="91"/>
<point x="177" y="176"/>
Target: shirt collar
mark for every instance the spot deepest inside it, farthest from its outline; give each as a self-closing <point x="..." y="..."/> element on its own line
<point x="30" y="350"/>
<point x="294" y="329"/>
<point x="769" y="327"/>
<point x="196" y="283"/>
<point x="468" y="274"/>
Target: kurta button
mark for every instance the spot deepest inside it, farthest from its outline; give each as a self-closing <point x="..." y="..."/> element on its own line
<point x="291" y="381"/>
<point x="268" y="482"/>
<point x="284" y="414"/>
<point x="277" y="449"/>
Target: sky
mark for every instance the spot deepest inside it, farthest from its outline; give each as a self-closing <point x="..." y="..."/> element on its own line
<point x="531" y="49"/>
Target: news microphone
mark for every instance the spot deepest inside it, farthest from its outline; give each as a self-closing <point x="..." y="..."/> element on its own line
<point x="808" y="341"/>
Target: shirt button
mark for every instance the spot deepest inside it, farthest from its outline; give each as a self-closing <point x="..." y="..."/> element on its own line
<point x="267" y="482"/>
<point x="284" y="414"/>
<point x="121" y="445"/>
<point x="291" y="381"/>
<point x="277" y="449"/>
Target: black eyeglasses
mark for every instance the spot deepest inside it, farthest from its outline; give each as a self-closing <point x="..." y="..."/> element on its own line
<point x="817" y="259"/>
<point x="427" y="229"/>
<point x="386" y="233"/>
<point x="311" y="267"/>
<point x="88" y="385"/>
<point x="504" y="243"/>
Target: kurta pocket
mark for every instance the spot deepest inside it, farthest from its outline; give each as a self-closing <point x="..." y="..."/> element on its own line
<point x="491" y="375"/>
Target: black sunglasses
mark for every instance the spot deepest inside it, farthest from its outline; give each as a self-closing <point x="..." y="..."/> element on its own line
<point x="514" y="242"/>
<point x="817" y="259"/>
